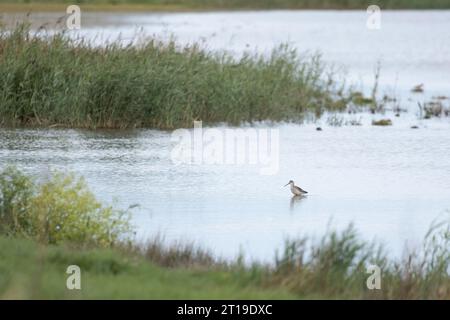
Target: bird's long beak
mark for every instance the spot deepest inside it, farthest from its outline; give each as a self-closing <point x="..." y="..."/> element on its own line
<point x="286" y="184"/>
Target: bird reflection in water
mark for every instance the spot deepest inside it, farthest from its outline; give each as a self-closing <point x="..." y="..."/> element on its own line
<point x="295" y="201"/>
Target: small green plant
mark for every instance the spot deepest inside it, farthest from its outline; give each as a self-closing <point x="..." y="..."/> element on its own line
<point x="336" y="266"/>
<point x="333" y="265"/>
<point x="61" y="209"/>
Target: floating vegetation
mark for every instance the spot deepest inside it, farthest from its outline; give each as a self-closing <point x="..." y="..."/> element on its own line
<point x="433" y="109"/>
<point x="418" y="89"/>
<point x="382" y="122"/>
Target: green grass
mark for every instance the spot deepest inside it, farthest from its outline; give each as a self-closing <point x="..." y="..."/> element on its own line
<point x="61" y="209"/>
<point x="32" y="271"/>
<point x="68" y="83"/>
<point x="255" y="4"/>
<point x="335" y="269"/>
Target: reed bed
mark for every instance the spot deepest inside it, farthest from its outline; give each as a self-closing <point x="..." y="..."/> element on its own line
<point x="54" y="80"/>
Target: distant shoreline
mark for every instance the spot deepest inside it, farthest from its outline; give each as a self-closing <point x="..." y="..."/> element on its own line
<point x="55" y="7"/>
<point x="140" y="7"/>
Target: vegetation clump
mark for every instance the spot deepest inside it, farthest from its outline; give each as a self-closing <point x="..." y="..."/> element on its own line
<point x="382" y="122"/>
<point x="433" y="108"/>
<point x="60" y="209"/>
<point x="418" y="88"/>
<point x="360" y="100"/>
<point x="54" y="80"/>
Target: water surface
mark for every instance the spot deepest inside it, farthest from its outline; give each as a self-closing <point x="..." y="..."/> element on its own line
<point x="391" y="182"/>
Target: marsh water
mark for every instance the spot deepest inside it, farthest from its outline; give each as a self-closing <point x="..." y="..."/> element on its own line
<point x="391" y="182"/>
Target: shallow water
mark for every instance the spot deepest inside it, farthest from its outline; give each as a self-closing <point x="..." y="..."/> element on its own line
<point x="392" y="182"/>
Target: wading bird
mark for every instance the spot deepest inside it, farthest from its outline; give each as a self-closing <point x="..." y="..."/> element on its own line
<point x="297" y="191"/>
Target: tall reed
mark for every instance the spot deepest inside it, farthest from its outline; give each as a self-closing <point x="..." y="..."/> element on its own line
<point x="53" y="80"/>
